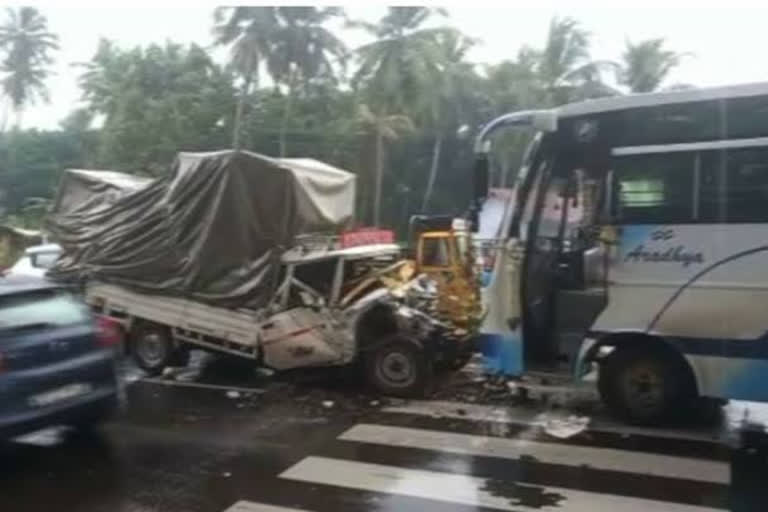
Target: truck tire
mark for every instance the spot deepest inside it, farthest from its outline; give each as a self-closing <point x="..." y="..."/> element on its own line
<point x="152" y="348"/>
<point x="397" y="367"/>
<point x="645" y="385"/>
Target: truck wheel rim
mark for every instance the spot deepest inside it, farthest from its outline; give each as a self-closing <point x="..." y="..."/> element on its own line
<point x="152" y="348"/>
<point x="397" y="370"/>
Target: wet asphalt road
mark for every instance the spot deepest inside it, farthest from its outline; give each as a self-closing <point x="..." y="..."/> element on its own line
<point x="221" y="437"/>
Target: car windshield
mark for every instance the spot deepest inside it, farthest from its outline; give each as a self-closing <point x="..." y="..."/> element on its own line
<point x="53" y="307"/>
<point x="44" y="259"/>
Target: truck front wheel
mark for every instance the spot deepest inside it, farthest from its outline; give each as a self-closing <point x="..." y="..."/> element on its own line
<point x="398" y="367"/>
<point x="152" y="348"/>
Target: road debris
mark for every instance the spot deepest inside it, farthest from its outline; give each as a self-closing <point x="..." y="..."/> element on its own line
<point x="328" y="403"/>
<point x="563" y="428"/>
<point x="233" y="394"/>
<point x="264" y="372"/>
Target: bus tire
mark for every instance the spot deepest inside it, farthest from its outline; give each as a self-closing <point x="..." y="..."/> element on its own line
<point x="645" y="385"/>
<point x="395" y="366"/>
<point x="152" y="348"/>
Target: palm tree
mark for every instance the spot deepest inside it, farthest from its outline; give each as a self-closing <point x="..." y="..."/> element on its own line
<point x="384" y="127"/>
<point x="565" y="68"/>
<point x="393" y="66"/>
<point x="646" y="64"/>
<point x="446" y="92"/>
<point x="514" y="84"/>
<point x="249" y="32"/>
<point x="302" y="49"/>
<point x="395" y="71"/>
<point x="26" y="44"/>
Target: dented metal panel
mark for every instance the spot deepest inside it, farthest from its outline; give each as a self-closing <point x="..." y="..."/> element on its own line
<point x="225" y="324"/>
<point x="301" y="337"/>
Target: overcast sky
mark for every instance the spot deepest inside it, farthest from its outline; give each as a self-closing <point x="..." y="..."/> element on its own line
<point x="726" y="43"/>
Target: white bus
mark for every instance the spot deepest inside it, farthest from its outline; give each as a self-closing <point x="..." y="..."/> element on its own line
<point x="637" y="240"/>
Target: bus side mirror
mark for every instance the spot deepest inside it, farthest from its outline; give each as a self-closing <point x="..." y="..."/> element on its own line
<point x="474" y="219"/>
<point x="479" y="190"/>
<point x="480" y="181"/>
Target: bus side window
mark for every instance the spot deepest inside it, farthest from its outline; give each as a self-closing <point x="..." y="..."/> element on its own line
<point x="747" y="187"/>
<point x="654" y="188"/>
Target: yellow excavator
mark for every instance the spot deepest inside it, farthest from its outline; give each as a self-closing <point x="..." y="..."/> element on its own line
<point x="441" y="247"/>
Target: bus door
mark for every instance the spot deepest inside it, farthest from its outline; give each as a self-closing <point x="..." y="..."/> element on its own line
<point x="560" y="299"/>
<point x="541" y="223"/>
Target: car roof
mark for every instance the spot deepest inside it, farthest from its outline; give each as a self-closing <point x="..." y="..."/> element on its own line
<point x="36" y="249"/>
<point x="19" y="283"/>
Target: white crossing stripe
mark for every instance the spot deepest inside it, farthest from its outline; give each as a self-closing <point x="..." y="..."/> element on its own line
<point x="466" y="490"/>
<point x="252" y="506"/>
<point x="509" y="415"/>
<point x="553" y="453"/>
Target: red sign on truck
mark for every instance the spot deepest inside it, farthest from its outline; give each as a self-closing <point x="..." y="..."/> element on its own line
<point x="367" y="236"/>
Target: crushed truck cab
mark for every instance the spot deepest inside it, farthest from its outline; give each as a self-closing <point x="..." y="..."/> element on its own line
<point x="239" y="253"/>
<point x="333" y="307"/>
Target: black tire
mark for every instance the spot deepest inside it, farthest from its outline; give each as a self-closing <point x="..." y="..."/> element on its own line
<point x="398" y="367"/>
<point x="645" y="385"/>
<point x="152" y="348"/>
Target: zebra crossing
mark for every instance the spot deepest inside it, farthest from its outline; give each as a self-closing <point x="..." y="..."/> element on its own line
<point x="448" y="456"/>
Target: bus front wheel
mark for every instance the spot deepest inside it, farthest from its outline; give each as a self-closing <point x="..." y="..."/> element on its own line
<point x="645" y="385"/>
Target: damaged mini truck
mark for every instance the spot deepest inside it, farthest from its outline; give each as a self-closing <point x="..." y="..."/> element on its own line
<point x="238" y="253"/>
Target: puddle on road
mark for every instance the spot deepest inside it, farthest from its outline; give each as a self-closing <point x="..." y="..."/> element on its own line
<point x="521" y="495"/>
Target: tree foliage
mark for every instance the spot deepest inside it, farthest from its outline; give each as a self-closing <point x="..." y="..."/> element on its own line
<point x="26" y="45"/>
<point x="646" y="64"/>
<point x="389" y="110"/>
<point x="155" y="102"/>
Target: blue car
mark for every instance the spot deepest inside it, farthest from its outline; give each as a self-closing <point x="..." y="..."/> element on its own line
<point x="57" y="364"/>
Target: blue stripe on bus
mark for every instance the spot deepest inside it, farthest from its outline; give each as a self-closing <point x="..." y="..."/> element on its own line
<point x="502" y="353"/>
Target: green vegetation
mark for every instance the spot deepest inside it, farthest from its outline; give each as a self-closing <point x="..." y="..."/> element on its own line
<point x="389" y="110"/>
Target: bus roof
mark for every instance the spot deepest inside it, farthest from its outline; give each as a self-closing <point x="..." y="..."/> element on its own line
<point x="660" y="98"/>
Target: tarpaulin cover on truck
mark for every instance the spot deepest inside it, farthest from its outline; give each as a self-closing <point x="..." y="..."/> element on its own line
<point x="212" y="230"/>
<point x="86" y="189"/>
